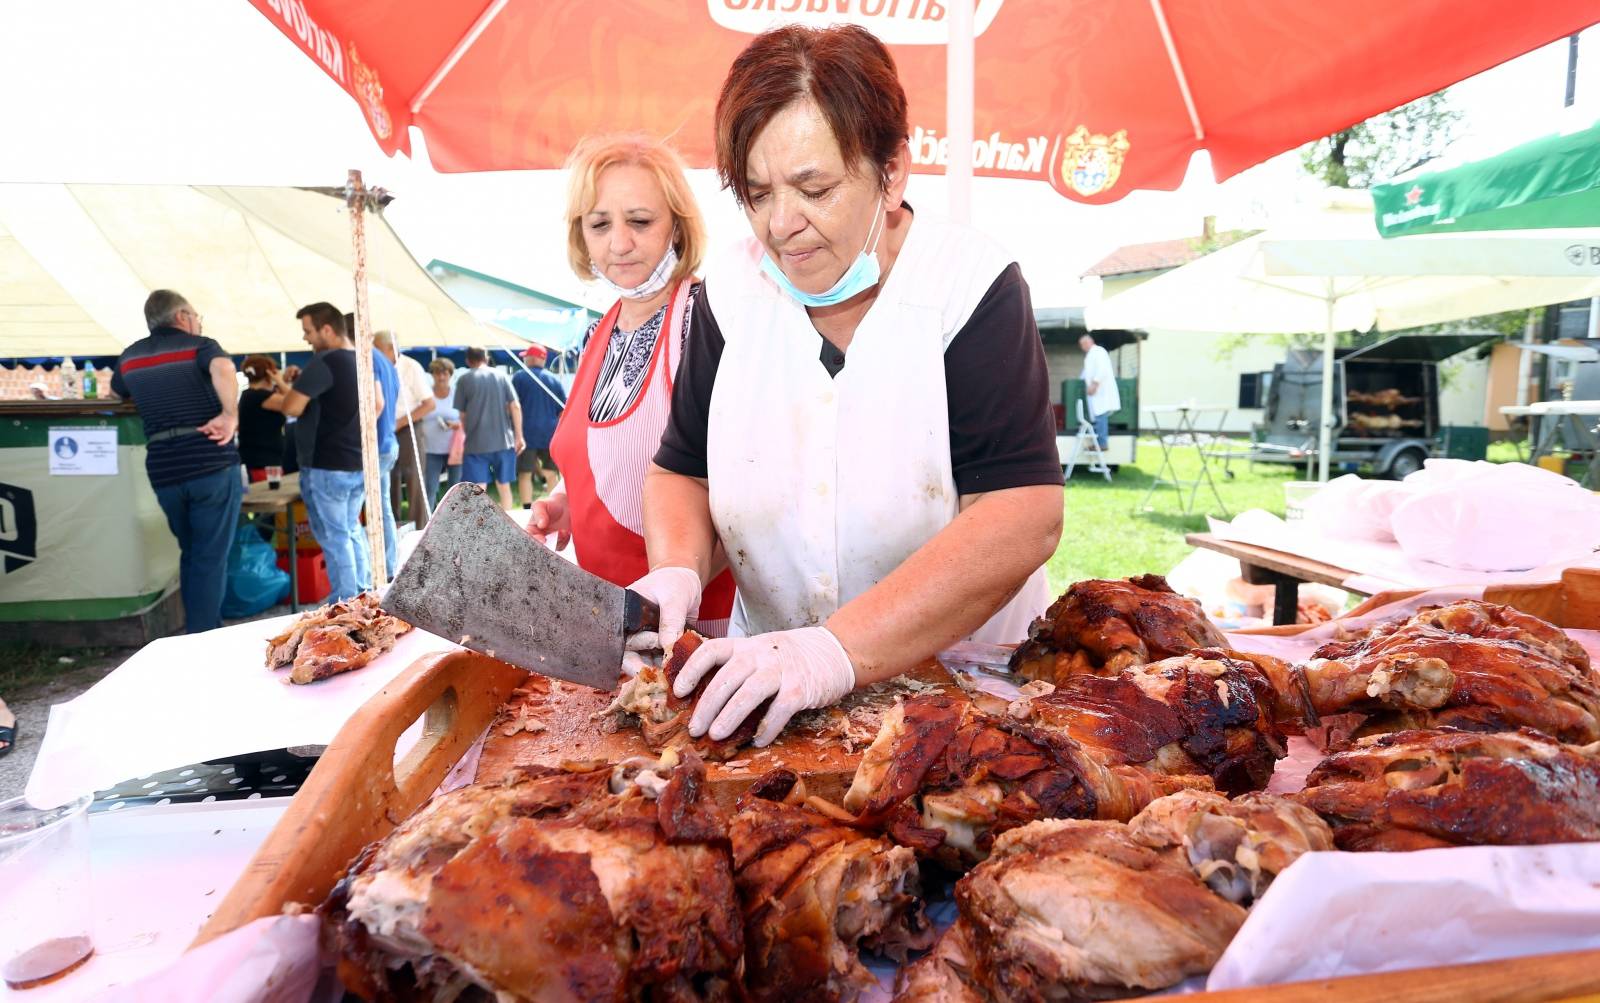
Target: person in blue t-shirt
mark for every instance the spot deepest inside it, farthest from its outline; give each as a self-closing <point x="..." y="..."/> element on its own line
<point x="184" y="388"/>
<point x="542" y="398"/>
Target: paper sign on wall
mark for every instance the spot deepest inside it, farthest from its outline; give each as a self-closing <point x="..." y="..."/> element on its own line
<point x="83" y="450"/>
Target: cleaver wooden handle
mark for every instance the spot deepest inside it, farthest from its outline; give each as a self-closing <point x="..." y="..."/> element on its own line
<point x="638" y="613"/>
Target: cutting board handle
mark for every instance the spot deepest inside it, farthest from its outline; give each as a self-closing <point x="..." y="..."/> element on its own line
<point x="357" y="793"/>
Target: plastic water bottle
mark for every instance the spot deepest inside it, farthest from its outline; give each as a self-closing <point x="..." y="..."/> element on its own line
<point x="70" y="388"/>
<point x="91" y="382"/>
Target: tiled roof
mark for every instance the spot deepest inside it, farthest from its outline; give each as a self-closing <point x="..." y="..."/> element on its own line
<point x="1162" y="254"/>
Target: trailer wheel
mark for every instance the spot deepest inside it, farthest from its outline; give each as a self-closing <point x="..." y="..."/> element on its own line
<point x="1405" y="463"/>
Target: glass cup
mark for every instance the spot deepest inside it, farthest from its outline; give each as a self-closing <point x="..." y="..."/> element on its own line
<point x="274" y="475"/>
<point x="44" y="885"/>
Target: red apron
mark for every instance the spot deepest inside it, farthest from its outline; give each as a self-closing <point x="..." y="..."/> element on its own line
<point x="603" y="464"/>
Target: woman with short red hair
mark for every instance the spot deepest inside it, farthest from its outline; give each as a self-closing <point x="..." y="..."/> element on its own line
<point x="634" y="228"/>
<point x="861" y="424"/>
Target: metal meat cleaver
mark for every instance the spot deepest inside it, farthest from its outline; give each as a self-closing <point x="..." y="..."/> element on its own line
<point x="479" y="579"/>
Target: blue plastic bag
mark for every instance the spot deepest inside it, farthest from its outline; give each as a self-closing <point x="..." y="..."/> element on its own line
<point x="254" y="581"/>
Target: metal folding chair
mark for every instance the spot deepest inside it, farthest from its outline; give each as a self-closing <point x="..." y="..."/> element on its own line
<point x="1088" y="442"/>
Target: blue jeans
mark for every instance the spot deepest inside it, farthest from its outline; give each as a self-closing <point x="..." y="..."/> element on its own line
<point x="437" y="466"/>
<point x="333" y="504"/>
<point x="202" y="513"/>
<point x="1102" y="429"/>
<point x="385" y="468"/>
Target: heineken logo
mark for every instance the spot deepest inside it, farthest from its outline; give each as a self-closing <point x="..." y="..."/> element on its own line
<point x="1414" y="195"/>
<point x="1412" y="212"/>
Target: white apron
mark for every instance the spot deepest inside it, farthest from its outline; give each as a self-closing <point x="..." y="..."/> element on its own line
<point x="821" y="487"/>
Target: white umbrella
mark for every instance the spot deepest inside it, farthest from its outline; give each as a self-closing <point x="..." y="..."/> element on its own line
<point x="1329" y="271"/>
<point x="76" y="262"/>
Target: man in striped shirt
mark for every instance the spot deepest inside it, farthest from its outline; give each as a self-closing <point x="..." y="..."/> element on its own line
<point x="185" y="390"/>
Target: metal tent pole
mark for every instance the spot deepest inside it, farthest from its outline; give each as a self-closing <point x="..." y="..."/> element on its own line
<point x="1325" y="440"/>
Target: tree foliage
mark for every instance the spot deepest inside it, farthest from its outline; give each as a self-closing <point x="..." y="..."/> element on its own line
<point x="1383" y="146"/>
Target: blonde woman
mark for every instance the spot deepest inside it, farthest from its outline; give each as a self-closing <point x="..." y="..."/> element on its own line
<point x="634" y="228"/>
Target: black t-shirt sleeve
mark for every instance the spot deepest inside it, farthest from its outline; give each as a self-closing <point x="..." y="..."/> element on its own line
<point x="1002" y="431"/>
<point x="683" y="442"/>
<point x="207" y="350"/>
<point x="315" y="379"/>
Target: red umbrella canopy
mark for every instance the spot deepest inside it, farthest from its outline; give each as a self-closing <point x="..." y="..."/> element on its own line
<point x="1096" y="97"/>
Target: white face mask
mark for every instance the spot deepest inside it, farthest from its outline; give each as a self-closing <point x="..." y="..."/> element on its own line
<point x="657" y="280"/>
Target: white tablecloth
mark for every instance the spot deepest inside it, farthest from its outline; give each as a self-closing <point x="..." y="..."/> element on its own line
<point x="197" y="697"/>
<point x="157" y="875"/>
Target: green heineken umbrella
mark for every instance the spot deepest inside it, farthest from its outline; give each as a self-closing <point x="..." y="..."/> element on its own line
<point x="1550" y="182"/>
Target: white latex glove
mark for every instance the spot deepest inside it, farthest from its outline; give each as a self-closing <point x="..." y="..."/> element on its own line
<point x="677" y="592"/>
<point x="800" y="669"/>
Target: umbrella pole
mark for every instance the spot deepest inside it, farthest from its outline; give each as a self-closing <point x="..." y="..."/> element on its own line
<point x="356" y="197"/>
<point x="958" y="70"/>
<point x="1325" y="440"/>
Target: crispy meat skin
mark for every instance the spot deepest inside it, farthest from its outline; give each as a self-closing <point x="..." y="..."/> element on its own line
<point x="546" y="888"/>
<point x="664" y="717"/>
<point x="813" y="890"/>
<point x="1075" y="910"/>
<point x="946" y="778"/>
<point x="941" y="772"/>
<point x="1471" y="665"/>
<point x="1236" y="847"/>
<point x="338" y="637"/>
<point x="1412" y="790"/>
<point x="1102" y="626"/>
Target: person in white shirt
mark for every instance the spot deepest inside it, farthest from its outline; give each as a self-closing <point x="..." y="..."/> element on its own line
<point x="416" y="402"/>
<point x="1099" y="388"/>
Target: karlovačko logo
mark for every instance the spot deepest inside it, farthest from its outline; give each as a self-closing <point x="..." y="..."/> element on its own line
<point x="1092" y="162"/>
<point x="19" y="528"/>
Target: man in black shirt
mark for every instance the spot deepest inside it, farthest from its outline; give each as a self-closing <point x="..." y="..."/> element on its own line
<point x="328" y="444"/>
<point x="185" y="390"/>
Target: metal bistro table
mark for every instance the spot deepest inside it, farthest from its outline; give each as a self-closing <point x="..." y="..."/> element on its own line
<point x="259" y="498"/>
<point x="1545" y="422"/>
<point x="1183" y="432"/>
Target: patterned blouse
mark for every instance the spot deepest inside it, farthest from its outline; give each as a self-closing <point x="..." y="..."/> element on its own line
<point x="622" y="372"/>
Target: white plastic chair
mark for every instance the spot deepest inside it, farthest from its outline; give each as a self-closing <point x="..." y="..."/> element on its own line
<point x="1088" y="442"/>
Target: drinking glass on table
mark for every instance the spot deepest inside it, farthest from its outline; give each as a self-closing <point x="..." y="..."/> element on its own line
<point x="44" y="884"/>
<point x="274" y="476"/>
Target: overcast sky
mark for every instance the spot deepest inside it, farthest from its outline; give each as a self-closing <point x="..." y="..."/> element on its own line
<point x="209" y="92"/>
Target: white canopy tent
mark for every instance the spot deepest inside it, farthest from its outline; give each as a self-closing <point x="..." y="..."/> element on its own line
<point x="76" y="262"/>
<point x="1329" y="271"/>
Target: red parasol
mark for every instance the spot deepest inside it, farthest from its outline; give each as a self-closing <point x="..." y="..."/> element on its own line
<point x="1097" y="97"/>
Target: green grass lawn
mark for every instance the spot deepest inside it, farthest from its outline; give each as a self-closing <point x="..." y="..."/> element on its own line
<point x="1104" y="537"/>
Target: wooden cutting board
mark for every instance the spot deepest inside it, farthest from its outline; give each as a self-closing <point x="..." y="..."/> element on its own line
<point x="569" y="725"/>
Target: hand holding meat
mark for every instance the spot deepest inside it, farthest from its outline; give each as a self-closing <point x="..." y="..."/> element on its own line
<point x="795" y="670"/>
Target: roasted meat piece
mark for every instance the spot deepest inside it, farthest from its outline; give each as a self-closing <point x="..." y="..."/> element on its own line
<point x="815" y="890"/>
<point x="946" y="778"/>
<point x="1236" y="847"/>
<point x="1207" y="712"/>
<point x="548" y="888"/>
<point x="1069" y="910"/>
<point x="1102" y="626"/>
<point x="664" y="717"/>
<point x="338" y="637"/>
<point x="1412" y="790"/>
<point x="1075" y="910"/>
<point x="1468" y="664"/>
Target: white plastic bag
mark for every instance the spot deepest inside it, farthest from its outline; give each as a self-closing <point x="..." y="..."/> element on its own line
<point x="1349" y="507"/>
<point x="1481" y="516"/>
